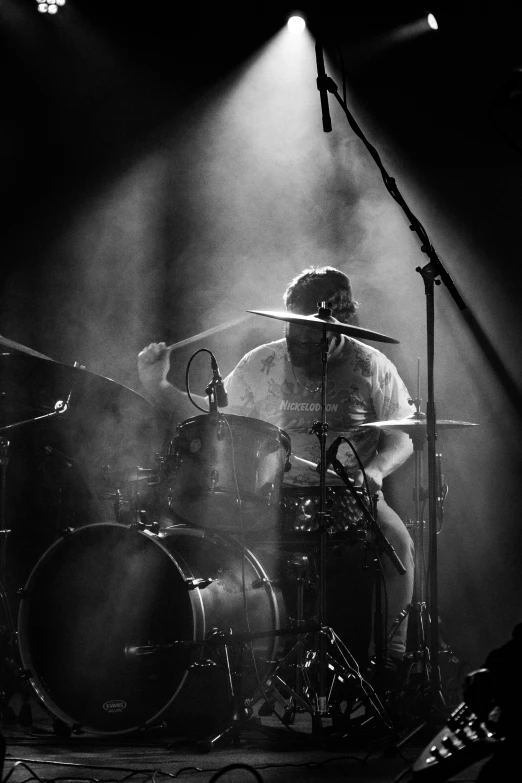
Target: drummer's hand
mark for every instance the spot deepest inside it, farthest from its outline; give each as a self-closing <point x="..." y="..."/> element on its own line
<point x="153" y="364"/>
<point x="374" y="477"/>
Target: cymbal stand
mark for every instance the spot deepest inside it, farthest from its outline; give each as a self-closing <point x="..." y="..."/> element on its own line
<point x="9" y="656"/>
<point x="321" y="430"/>
<point x="4" y="532"/>
<point x="381" y="545"/>
<point x="326" y="662"/>
<point x="419" y="657"/>
<point x="11" y="673"/>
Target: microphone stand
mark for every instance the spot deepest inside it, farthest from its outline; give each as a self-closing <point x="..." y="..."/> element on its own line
<point x="430" y="274"/>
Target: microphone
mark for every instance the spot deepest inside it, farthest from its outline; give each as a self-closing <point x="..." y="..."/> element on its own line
<point x="217" y="380"/>
<point x="322" y="81"/>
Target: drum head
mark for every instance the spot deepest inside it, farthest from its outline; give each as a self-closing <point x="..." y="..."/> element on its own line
<point x="92" y="597"/>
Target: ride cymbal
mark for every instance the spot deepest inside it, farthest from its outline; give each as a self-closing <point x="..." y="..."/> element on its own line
<point x="331" y="324"/>
<point x="415" y="424"/>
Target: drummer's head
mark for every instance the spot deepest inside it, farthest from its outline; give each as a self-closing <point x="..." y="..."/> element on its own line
<point x="321" y="284"/>
<point x="303" y="293"/>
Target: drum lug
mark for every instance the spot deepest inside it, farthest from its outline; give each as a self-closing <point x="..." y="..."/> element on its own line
<point x="200" y="583"/>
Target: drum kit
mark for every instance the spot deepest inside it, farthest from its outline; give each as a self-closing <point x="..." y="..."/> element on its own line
<point x="161" y="614"/>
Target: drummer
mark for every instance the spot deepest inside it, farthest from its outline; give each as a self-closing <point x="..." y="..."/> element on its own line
<point x="280" y="383"/>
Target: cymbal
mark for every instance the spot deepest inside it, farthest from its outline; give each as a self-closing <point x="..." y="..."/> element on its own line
<point x="105" y="422"/>
<point x="332" y="324"/>
<point x="415" y="424"/>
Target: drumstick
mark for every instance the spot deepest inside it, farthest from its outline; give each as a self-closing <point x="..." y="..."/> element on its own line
<point x="206" y="333"/>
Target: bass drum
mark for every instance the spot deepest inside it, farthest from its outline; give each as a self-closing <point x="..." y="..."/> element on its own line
<point x="111" y="616"/>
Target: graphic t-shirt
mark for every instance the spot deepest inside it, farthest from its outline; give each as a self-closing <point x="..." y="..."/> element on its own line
<point x="363" y="385"/>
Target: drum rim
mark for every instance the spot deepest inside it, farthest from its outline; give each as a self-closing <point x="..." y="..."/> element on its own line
<point x="248" y="421"/>
<point x="198" y="617"/>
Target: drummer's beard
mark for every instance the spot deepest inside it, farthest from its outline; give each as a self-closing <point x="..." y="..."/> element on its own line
<point x="307" y="359"/>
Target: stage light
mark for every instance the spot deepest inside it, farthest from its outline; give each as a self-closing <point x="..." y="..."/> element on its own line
<point x="433" y="22"/>
<point x="296" y="24"/>
<point x="49" y="6"/>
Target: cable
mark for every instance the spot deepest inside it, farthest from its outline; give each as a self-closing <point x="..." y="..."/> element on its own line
<point x="231" y="767"/>
<point x="187" y="383"/>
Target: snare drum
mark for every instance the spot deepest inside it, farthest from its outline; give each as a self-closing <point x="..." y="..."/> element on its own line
<point x="226" y="472"/>
<point x="300" y="506"/>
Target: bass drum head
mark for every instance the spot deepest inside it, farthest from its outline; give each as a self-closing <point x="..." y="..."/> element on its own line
<point x="108" y="615"/>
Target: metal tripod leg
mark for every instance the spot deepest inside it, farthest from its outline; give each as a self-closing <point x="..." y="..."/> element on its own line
<point x="241" y="710"/>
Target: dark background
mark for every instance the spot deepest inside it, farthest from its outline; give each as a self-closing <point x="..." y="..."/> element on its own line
<point x="160" y="174"/>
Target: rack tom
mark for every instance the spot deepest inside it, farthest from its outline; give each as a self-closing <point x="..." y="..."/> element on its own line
<point x="226" y="472"/>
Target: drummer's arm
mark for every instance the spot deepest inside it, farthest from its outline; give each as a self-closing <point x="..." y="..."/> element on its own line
<point x="153" y="367"/>
<point x="394" y="449"/>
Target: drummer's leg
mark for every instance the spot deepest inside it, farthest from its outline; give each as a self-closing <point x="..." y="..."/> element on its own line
<point x="399" y="587"/>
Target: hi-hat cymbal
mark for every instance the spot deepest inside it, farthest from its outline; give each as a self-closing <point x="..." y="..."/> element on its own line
<point x="332" y="324"/>
<point x="417" y="424"/>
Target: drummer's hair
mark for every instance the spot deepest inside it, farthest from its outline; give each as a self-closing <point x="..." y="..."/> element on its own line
<point x="321" y="284"/>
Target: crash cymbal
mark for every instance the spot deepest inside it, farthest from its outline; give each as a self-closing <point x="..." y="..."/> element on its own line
<point x="105" y="422"/>
<point x="332" y="324"/>
<point x="415" y="423"/>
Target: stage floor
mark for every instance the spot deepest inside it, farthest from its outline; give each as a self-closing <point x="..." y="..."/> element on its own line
<point x="269" y="751"/>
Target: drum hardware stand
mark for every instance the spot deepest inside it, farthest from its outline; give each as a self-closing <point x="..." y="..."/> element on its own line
<point x="10" y="666"/>
<point x="233" y="644"/>
<point x="9" y="633"/>
<point x="318" y="705"/>
<point x="420" y="658"/>
<point x="381" y="544"/>
<point x="301" y="681"/>
<point x="240" y="709"/>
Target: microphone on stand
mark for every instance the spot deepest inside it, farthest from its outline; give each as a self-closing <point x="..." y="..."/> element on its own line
<point x="217" y="380"/>
<point x="322" y="80"/>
